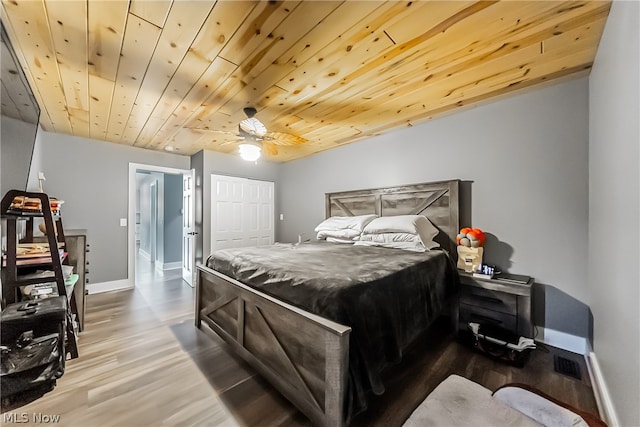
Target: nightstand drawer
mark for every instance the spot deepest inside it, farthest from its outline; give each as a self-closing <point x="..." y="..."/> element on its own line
<point x="491" y="300"/>
<point x="470" y="313"/>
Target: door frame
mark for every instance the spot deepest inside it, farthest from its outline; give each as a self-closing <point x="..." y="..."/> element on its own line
<point x="131" y="216"/>
<point x="153" y="222"/>
<point x="189" y="232"/>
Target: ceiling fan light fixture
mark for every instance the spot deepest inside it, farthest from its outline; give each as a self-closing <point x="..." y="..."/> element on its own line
<point x="249" y="152"/>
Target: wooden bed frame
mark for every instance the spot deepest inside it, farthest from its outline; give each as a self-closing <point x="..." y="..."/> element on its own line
<point x="303" y="355"/>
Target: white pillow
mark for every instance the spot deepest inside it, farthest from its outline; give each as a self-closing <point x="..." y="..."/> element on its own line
<point x="345" y="234"/>
<point x="390" y="237"/>
<point x="339" y="240"/>
<point x="407" y="241"/>
<point x="412" y="224"/>
<point x="357" y="223"/>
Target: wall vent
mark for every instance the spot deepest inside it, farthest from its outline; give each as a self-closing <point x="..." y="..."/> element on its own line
<point x="567" y="367"/>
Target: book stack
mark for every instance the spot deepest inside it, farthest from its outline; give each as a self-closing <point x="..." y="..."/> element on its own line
<point x="40" y="290"/>
<point x="514" y="278"/>
<point x="33" y="205"/>
<point x="33" y="254"/>
<point x="47" y="288"/>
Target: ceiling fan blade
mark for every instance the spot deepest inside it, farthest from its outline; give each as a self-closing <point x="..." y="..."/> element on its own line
<point x="253" y="129"/>
<point x="284" y="139"/>
<point x="269" y="148"/>
<point x="253" y="126"/>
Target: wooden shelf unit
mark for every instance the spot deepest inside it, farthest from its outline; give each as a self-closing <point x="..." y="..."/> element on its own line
<point x="13" y="271"/>
<point x="78" y="249"/>
<point x="77" y="255"/>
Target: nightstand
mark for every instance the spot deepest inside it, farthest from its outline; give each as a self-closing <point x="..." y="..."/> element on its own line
<point x="497" y="301"/>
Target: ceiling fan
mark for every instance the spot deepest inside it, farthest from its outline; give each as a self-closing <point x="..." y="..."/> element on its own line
<point x="257" y="138"/>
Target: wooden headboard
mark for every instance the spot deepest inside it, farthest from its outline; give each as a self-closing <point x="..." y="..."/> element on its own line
<point x="438" y="201"/>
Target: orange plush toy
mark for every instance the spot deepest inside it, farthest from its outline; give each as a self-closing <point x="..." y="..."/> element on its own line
<point x="470" y="243"/>
<point x="471" y="237"/>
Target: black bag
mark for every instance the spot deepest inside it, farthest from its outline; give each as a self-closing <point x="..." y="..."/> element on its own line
<point x="32" y="363"/>
<point x="43" y="316"/>
<point x="502" y="353"/>
<point x="33" y="350"/>
<point x="485" y="342"/>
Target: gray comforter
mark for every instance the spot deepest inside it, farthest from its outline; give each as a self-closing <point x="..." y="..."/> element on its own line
<point x="387" y="296"/>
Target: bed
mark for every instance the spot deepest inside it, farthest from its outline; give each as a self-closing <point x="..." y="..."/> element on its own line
<point x="323" y="335"/>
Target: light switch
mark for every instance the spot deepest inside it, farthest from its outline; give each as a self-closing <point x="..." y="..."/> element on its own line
<point x="123" y="222"/>
<point x="281" y="217"/>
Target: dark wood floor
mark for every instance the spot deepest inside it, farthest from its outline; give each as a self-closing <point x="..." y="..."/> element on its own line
<point x="142" y="362"/>
<point x="435" y="357"/>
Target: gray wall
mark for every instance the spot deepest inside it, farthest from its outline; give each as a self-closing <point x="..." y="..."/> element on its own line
<point x="17" y="140"/>
<point x="526" y="158"/>
<point x="172" y="226"/>
<point x="92" y="178"/>
<point x="19" y="122"/>
<point x="614" y="208"/>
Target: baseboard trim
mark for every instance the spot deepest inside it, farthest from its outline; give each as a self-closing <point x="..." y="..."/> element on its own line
<point x="168" y="266"/>
<point x="565" y="341"/>
<point x="114" y="285"/>
<point x="601" y="392"/>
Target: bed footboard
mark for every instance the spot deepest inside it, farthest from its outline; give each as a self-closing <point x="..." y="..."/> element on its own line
<point x="301" y="354"/>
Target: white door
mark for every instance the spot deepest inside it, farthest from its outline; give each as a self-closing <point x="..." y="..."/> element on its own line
<point x="242" y="212"/>
<point x="188" y="229"/>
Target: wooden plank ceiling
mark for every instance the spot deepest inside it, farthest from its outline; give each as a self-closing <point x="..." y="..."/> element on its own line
<point x="158" y="74"/>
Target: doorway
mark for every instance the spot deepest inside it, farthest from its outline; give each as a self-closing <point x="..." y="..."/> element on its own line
<point x="158" y="203"/>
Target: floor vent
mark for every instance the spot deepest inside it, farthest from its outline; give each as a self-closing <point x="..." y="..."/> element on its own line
<point x="567" y="367"/>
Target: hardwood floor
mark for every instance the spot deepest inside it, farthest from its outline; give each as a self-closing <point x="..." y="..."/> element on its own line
<point x="142" y="362"/>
